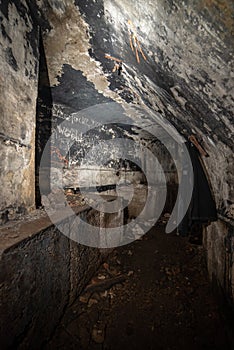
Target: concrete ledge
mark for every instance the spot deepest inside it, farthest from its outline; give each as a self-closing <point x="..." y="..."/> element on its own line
<point x="219" y="243"/>
<point x="41" y="272"/>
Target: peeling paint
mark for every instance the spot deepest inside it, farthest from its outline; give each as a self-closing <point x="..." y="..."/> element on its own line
<point x="69" y="43"/>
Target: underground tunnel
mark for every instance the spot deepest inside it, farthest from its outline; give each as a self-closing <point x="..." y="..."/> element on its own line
<point x="116" y="210"/>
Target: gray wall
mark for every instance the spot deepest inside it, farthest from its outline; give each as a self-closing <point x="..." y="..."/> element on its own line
<point x="18" y="94"/>
<point x="42" y="271"/>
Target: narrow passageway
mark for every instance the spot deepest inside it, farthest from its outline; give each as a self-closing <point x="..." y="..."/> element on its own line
<point x="151" y="294"/>
<point x="112" y="113"/>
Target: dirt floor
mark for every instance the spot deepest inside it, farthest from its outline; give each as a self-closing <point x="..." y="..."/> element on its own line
<point x="162" y="301"/>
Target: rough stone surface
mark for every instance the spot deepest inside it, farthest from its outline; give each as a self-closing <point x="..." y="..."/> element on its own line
<point x="18" y="86"/>
<point x="41" y="275"/>
<point x="219" y="243"/>
<point x="34" y="288"/>
<point x="187" y="77"/>
<point x="177" y="70"/>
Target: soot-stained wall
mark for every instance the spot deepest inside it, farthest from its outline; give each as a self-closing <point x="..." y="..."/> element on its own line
<point x="18" y="85"/>
<point x="177" y="69"/>
<point x="180" y="68"/>
<point x="177" y="64"/>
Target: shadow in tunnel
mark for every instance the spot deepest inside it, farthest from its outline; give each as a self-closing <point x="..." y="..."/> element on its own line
<point x="43" y="122"/>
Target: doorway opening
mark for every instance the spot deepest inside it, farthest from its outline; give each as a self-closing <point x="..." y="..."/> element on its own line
<point x="43" y="123"/>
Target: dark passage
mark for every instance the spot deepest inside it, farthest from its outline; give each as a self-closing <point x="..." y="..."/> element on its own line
<point x="165" y="301"/>
<point x="43" y="122"/>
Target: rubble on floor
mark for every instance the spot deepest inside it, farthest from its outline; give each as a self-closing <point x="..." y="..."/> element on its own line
<point x="153" y="293"/>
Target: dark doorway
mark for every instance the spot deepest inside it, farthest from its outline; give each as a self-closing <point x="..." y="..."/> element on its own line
<point x="43" y="122"/>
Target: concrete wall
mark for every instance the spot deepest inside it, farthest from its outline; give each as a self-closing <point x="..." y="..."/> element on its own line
<point x="219" y="243"/>
<point x="186" y="79"/>
<point x="42" y="271"/>
<point x="18" y="94"/>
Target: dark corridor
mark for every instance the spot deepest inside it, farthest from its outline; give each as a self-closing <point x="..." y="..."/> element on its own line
<point x="43" y="122"/>
<point x="151" y="294"/>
